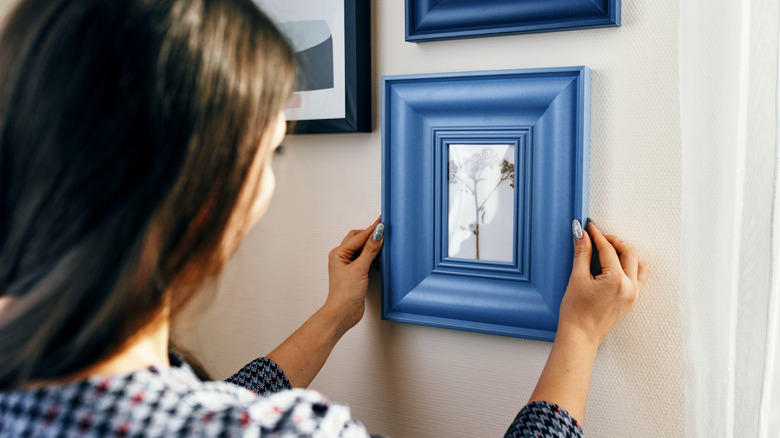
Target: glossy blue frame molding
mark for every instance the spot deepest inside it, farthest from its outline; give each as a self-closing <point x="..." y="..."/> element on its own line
<point x="545" y="115"/>
<point x="448" y="19"/>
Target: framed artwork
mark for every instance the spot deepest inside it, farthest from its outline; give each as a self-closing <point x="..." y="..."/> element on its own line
<point x="482" y="174"/>
<point x="447" y="19"/>
<point x="332" y="41"/>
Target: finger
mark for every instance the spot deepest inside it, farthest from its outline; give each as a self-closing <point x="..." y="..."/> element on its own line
<point x="582" y="251"/>
<point x="641" y="277"/>
<point x="355" y="239"/>
<point x="349" y="236"/>
<point x="607" y="254"/>
<point x="371" y="248"/>
<point x="619" y="244"/>
<point x="629" y="259"/>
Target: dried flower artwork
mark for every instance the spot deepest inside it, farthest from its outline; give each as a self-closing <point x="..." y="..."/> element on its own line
<point x="481" y="202"/>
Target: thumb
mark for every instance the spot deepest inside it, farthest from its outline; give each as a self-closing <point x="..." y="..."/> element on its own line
<point x="582" y="249"/>
<point x="372" y="247"/>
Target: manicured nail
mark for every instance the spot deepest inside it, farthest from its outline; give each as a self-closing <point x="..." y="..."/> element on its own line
<point x="591" y="221"/>
<point x="379" y="232"/>
<point x="576" y="230"/>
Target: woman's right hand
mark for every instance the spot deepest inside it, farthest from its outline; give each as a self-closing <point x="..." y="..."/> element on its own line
<point x="592" y="306"/>
<point x="590" y="309"/>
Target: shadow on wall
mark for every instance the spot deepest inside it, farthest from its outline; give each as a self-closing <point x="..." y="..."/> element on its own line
<point x="392" y="400"/>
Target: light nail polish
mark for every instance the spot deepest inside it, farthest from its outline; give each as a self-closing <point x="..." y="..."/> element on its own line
<point x="576" y="230"/>
<point x="379" y="232"/>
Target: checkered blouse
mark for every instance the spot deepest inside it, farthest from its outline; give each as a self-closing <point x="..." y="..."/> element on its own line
<point x="172" y="402"/>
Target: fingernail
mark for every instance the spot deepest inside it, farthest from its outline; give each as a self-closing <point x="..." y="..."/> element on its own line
<point x="576" y="230"/>
<point x="379" y="232"/>
<point x="592" y="222"/>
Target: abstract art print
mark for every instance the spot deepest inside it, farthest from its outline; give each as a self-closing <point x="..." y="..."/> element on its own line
<point x="331" y="39"/>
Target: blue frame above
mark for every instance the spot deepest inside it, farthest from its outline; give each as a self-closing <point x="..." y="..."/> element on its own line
<point x="545" y="115"/>
<point x="448" y="19"/>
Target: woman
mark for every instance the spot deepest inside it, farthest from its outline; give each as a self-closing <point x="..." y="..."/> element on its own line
<point x="136" y="138"/>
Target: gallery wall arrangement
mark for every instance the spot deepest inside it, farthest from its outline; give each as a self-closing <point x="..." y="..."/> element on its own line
<point x="482" y="174"/>
<point x="482" y="171"/>
<point x="332" y="41"/>
<point x="448" y="19"/>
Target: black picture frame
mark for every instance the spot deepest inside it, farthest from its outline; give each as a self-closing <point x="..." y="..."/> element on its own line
<point x="357" y="32"/>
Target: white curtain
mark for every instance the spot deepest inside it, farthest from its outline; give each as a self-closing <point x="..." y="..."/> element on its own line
<point x="770" y="403"/>
<point x="729" y="234"/>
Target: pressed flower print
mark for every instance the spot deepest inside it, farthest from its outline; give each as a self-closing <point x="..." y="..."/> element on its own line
<point x="481" y="202"/>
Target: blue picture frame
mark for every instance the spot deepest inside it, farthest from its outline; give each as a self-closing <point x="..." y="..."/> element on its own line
<point x="448" y="19"/>
<point x="545" y="115"/>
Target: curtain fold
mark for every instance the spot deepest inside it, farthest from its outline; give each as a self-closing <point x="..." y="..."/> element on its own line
<point x="769" y="421"/>
<point x="728" y="91"/>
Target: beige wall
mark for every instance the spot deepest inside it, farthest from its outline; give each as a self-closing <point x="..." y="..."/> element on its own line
<point x="413" y="381"/>
<point x="5" y="8"/>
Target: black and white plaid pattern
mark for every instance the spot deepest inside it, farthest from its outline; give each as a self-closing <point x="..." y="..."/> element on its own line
<point x="262" y="376"/>
<point x="543" y="420"/>
<point x="171" y="402"/>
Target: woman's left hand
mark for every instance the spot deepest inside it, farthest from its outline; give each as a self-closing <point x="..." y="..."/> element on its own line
<point x="348" y="266"/>
<point x="303" y="354"/>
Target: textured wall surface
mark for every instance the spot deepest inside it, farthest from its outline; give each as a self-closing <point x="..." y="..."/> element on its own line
<point x="413" y="381"/>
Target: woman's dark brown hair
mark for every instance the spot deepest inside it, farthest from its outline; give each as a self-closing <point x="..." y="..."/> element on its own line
<point x="127" y="129"/>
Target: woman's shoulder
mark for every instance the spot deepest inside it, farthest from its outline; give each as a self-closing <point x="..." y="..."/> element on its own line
<point x="167" y="402"/>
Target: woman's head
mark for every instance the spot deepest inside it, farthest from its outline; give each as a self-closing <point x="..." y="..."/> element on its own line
<point x="133" y="135"/>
